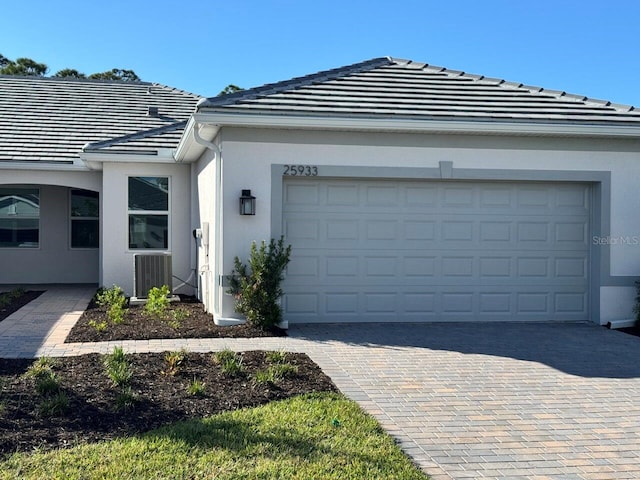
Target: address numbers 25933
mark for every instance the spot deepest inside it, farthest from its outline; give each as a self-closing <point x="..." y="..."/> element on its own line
<point x="301" y="170"/>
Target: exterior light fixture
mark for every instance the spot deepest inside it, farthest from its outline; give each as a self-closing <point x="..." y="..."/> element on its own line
<point x="247" y="203"/>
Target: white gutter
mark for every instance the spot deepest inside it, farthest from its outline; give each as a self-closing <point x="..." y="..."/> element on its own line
<point x="408" y="125"/>
<point x="94" y="160"/>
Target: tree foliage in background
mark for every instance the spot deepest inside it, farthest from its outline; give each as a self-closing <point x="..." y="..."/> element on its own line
<point x="116" y="74"/>
<point x="69" y="73"/>
<point x="22" y="66"/>
<point x="29" y="67"/>
<point x="231" y="88"/>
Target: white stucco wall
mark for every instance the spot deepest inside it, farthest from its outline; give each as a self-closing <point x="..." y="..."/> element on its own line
<point x="248" y="155"/>
<point x="117" y="258"/>
<point x="54" y="261"/>
<point x="204" y="218"/>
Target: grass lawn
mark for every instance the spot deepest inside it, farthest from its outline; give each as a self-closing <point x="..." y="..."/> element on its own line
<point x="314" y="436"/>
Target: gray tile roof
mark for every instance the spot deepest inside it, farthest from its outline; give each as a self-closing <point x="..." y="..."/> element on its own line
<point x="393" y="88"/>
<point x="50" y="119"/>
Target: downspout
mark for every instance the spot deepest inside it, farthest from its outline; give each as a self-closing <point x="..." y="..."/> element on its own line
<point x="217" y="280"/>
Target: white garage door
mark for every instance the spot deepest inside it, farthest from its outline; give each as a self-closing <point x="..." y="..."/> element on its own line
<point x="435" y="251"/>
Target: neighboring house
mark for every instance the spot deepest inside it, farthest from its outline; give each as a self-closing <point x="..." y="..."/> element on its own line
<point x="408" y="192"/>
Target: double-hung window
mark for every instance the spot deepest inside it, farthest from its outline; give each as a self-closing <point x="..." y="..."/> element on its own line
<point x="149" y="213"/>
<point x="19" y="217"/>
<point x="85" y="224"/>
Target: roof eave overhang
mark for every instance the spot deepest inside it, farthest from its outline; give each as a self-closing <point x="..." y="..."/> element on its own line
<point x="190" y="150"/>
<point x="74" y="166"/>
<point x="413" y="125"/>
<point x="95" y="160"/>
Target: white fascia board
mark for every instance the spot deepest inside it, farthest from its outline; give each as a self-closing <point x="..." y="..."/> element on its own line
<point x="35" y="165"/>
<point x="95" y="160"/>
<point x="408" y="125"/>
<point x="188" y="149"/>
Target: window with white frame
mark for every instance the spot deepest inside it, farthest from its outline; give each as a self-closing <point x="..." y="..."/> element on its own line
<point x="85" y="222"/>
<point x="19" y="217"/>
<point x="148" y="207"/>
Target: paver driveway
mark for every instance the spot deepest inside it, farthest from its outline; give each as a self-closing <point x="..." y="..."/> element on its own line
<point x="557" y="401"/>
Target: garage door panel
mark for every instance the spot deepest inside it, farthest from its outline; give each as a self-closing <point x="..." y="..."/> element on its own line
<point x="317" y="267"/>
<point x="417" y="250"/>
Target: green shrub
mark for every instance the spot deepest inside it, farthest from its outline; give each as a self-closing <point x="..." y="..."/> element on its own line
<point x="157" y="302"/>
<point x="230" y="362"/>
<point x="54" y="405"/>
<point x="125" y="399"/>
<point x="41" y="367"/>
<point x="263" y="377"/>
<point x="106" y="297"/>
<point x="98" y="326"/>
<point x="16" y="293"/>
<point x="117" y="355"/>
<point x="117" y="367"/>
<point x="279" y="356"/>
<point x="47" y="383"/>
<point x="256" y="286"/>
<point x="116" y="313"/>
<point x="196" y="388"/>
<point x="177" y="316"/>
<point x="114" y="299"/>
<point x="275" y="373"/>
<point x="174" y="361"/>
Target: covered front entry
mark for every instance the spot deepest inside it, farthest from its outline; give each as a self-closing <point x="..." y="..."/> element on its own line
<point x="48" y="234"/>
<point x="389" y="250"/>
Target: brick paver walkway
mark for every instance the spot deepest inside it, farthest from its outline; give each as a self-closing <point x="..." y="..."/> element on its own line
<point x="508" y="401"/>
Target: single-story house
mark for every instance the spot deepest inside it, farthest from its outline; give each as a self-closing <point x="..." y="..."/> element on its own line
<point x="408" y="192"/>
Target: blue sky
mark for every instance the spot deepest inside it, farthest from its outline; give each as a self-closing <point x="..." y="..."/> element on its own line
<point x="585" y="47"/>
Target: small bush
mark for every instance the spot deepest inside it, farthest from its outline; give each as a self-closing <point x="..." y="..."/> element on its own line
<point x="275" y="373"/>
<point x="230" y="362"/>
<point x="125" y="399"/>
<point x="116" y="313"/>
<point x="157" y="302"/>
<point x="283" y="370"/>
<point x="117" y="368"/>
<point x="196" y="388"/>
<point x="256" y="286"/>
<point x="263" y="377"/>
<point x="117" y="355"/>
<point x="174" y="362"/>
<point x="42" y="366"/>
<point x="54" y="405"/>
<point x="47" y="383"/>
<point x="279" y="356"/>
<point x="177" y="316"/>
<point x="106" y="297"/>
<point x="98" y="326"/>
<point x="224" y="355"/>
<point x="113" y="298"/>
<point x="16" y="293"/>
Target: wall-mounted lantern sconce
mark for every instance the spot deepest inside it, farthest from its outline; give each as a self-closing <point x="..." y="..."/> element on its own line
<point x="247" y="203"/>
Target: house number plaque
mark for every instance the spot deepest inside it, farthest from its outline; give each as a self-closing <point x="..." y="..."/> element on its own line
<point x="301" y="170"/>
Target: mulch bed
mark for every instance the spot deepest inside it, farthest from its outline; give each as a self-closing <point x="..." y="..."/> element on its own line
<point x="18" y="303"/>
<point x="138" y="326"/>
<point x="161" y="398"/>
<point x="631" y="330"/>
